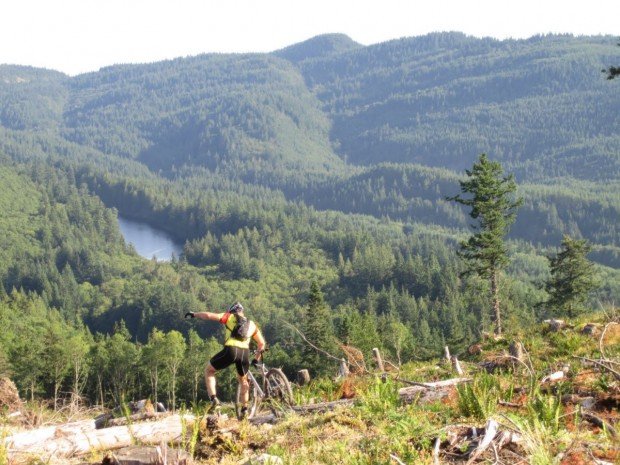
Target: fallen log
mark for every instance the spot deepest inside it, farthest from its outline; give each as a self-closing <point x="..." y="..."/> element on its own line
<point x="140" y="455"/>
<point x="509" y="404"/>
<point x="27" y="439"/>
<point x="268" y="418"/>
<point x="323" y="406"/>
<point x="429" y="392"/>
<point x="469" y="443"/>
<point x="69" y="442"/>
<point x="121" y="421"/>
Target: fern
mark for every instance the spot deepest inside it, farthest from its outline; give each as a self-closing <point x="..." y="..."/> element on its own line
<point x="479" y="399"/>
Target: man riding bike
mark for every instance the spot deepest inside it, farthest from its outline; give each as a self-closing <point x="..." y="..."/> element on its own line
<point x="239" y="332"/>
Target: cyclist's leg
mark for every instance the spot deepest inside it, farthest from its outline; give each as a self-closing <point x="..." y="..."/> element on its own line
<point x="242" y="363"/>
<point x="210" y="380"/>
<point x="244" y="386"/>
<point x="218" y="362"/>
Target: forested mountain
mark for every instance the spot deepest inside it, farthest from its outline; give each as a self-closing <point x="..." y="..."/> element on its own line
<point x="326" y="162"/>
<point x="538" y="105"/>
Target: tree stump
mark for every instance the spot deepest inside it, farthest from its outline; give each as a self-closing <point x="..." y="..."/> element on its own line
<point x="303" y="377"/>
<point x="474" y="349"/>
<point x="377" y="356"/>
<point x="556" y="325"/>
<point x="516" y="350"/>
<point x="591" y="329"/>
<point x="456" y="366"/>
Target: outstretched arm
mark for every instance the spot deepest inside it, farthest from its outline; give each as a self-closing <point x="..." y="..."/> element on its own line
<point x="208" y="316"/>
<point x="205" y="315"/>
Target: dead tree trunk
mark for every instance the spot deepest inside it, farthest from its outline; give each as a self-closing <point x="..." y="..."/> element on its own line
<point x="377" y="355"/>
<point x="456" y="366"/>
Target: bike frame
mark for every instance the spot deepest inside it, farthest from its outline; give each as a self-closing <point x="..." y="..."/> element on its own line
<point x="252" y="380"/>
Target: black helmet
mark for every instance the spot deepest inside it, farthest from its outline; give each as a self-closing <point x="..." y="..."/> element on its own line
<point x="235" y="308"/>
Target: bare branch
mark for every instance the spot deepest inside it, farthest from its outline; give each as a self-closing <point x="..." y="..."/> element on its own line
<point x="327" y="354"/>
<point x="591" y="418"/>
<point x="602" y="338"/>
<point x="600" y="363"/>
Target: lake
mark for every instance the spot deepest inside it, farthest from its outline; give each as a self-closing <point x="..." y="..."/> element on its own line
<point x="149" y="241"/>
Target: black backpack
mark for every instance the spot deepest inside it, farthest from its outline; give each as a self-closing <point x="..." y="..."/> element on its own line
<point x="241" y="331"/>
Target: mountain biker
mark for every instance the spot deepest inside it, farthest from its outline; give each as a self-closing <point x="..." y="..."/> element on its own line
<point x="239" y="332"/>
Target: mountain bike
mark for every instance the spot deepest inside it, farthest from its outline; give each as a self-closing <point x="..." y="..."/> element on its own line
<point x="273" y="393"/>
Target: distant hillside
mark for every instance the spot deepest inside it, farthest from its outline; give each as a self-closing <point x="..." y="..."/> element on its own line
<point x="212" y="111"/>
<point x="541" y="106"/>
<point x="31" y="98"/>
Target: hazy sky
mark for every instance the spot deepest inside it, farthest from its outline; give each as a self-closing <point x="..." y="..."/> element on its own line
<point x="76" y="36"/>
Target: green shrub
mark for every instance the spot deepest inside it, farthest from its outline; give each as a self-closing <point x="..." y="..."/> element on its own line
<point x="379" y="397"/>
<point x="479" y="398"/>
<point x="545" y="409"/>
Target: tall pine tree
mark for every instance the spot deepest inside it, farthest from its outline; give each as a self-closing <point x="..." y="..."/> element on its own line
<point x="319" y="330"/>
<point x="491" y="197"/>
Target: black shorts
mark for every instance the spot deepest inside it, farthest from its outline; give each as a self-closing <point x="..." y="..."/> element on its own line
<point x="229" y="355"/>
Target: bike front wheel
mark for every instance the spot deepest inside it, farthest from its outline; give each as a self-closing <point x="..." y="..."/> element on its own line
<point x="279" y="390"/>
